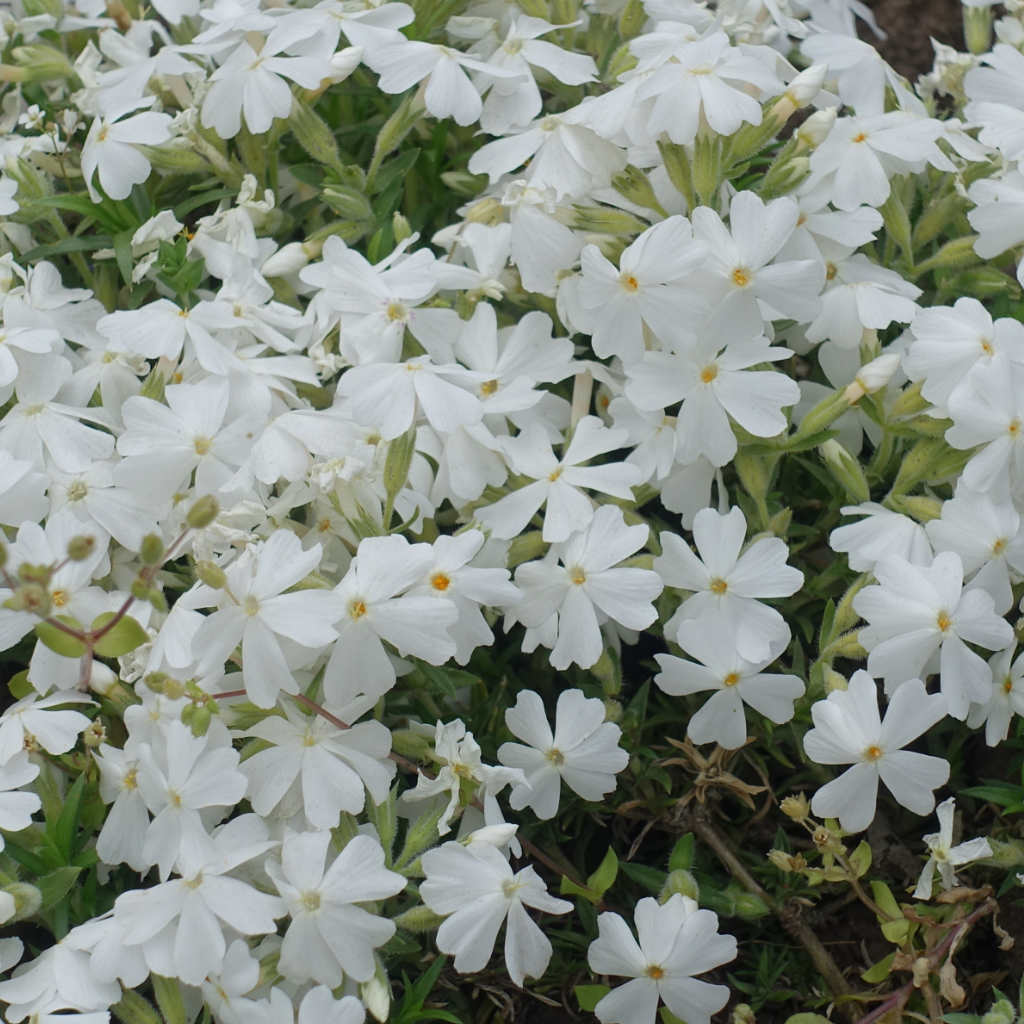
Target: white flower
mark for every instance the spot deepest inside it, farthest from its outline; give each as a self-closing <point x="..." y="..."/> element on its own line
<point x="583" y="750"/>
<point x="124" y="830"/>
<point x="1007" y="697"/>
<point x="711" y="639"/>
<point x="917" y="610"/>
<point x="587" y="589"/>
<point x="675" y="941"/>
<point x="559" y="483"/>
<point x="647" y="288"/>
<point x="110" y="150"/>
<point x="944" y="855"/>
<point x="726" y="582"/>
<point x="35" y="721"/>
<point x="180" y="923"/>
<point x="476" y="886"/>
<point x="329" y="934"/>
<point x="317" y="768"/>
<point x="880" y="533"/>
<point x="255" y="613"/>
<point x="848" y="730"/>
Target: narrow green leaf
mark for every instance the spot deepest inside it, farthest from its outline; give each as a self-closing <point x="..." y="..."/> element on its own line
<point x="123" y="255"/>
<point x="64" y="828"/>
<point x="55" y="885"/>
<point x="169" y="999"/>
<point x="681" y="858"/>
<point x="604" y="877"/>
<point x="880" y="971"/>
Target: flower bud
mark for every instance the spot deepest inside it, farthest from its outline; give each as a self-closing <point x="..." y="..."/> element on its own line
<point x="199" y="720"/>
<point x="813" y="131"/>
<point x="211" y="574"/>
<point x="176" y="156"/>
<point x="462" y="183"/>
<point x="679" y="881"/>
<point x="376" y="995"/>
<point x="400" y="227"/>
<point x="27" y="899"/>
<point x="152" y="549"/>
<point x="313" y="134"/>
<point x="102" y="678"/>
<point x="846" y="471"/>
<point x="344" y="62"/>
<point x="41" y="63"/>
<point x="978" y="28"/>
<point x="743" y="1014"/>
<point x="605" y="221"/>
<point x="418" y="919"/>
<point x="3" y="554"/>
<point x="872" y="377"/>
<point x="94" y="734"/>
<point x="81" y="547"/>
<point x="30" y="597"/>
<point x="203" y="512"/>
<point x="799" y="93"/>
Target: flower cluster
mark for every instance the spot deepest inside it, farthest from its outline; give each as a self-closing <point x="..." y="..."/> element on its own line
<point x="340" y="530"/>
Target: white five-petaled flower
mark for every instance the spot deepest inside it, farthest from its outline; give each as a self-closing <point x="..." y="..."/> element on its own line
<point x="918" y="610"/>
<point x="583" y="750"/>
<point x="674" y="942"/>
<point x="944" y="855"/>
<point x="586" y="588"/>
<point x="330" y="935"/>
<point x="476" y="887"/>
<point x="848" y="730"/>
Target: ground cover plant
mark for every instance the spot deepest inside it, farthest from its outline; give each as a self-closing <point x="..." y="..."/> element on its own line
<point x="512" y="512"/>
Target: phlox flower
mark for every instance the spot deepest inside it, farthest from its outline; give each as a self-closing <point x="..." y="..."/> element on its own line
<point x="110" y="150"/>
<point x="648" y="288"/>
<point x="375" y="608"/>
<point x="41" y="722"/>
<point x="313" y="767"/>
<point x="180" y="775"/>
<point x="880" y="533"/>
<point x="559" y="483"/>
<point x="944" y="856"/>
<point x="22" y="491"/>
<point x="476" y="888"/>
<point x="916" y="611"/>
<point x="1007" y="697"/>
<point x="711" y="640"/>
<point x="727" y="583"/>
<point x="584" y="588"/>
<point x="255" y="612"/>
<point x="459" y="757"/>
<point x="330" y="935"/>
<point x="707" y="77"/>
<point x="180" y="923"/>
<point x="675" y="941"/>
<point x="995" y="90"/>
<point x="318" y="1005"/>
<point x="848" y="730"/>
<point x="743" y="272"/>
<point x="714" y="380"/>
<point x="121" y="839"/>
<point x="582" y="751"/>
<point x="35" y="340"/>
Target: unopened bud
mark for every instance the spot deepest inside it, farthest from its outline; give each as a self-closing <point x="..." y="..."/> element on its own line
<point x="152" y="549"/>
<point x="743" y="1014"/>
<point x="679" y="881"/>
<point x="30" y="597"/>
<point x="199" y="720"/>
<point x="632" y="19"/>
<point x="288" y="260"/>
<point x="606" y="221"/>
<point x="313" y="134"/>
<point x="781" y="860"/>
<point x="41" y="62"/>
<point x="813" y="131"/>
<point x="834" y="680"/>
<point x="400" y="227"/>
<point x="211" y="574"/>
<point x="81" y="547"/>
<point x="397" y="463"/>
<point x="462" y="183"/>
<point x="418" y="919"/>
<point x="799" y="92"/>
<point x="203" y="512"/>
<point x="846" y="471"/>
<point x="376" y="995"/>
<point x="978" y="28"/>
<point x="872" y="377"/>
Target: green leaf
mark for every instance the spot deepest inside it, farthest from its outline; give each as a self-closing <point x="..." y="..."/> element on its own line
<point x="122" y="638"/>
<point x="63" y="830"/>
<point x="87" y="243"/>
<point x="588" y="996"/>
<point x="55" y="885"/>
<point x="169" y="999"/>
<point x="59" y="641"/>
<point x="883" y="896"/>
<point x="860" y="859"/>
<point x="19" y="685"/>
<point x="681" y="858"/>
<point x="807" y="1018"/>
<point x="880" y="971"/>
<point x="604" y="877"/>
<point x="123" y="255"/>
<point x="567" y="887"/>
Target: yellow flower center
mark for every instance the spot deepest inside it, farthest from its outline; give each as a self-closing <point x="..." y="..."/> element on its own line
<point x="830" y="271"/>
<point x="731" y="679"/>
<point x="311" y="901"/>
<point x="577" y="575"/>
<point x="251" y="605"/>
<point x="357" y="609"/>
<point x="488" y="388"/>
<point x="629" y="282"/>
<point x="1008" y="685"/>
<point x="555" y="756"/>
<point x="1014" y="429"/>
<point x="655" y="972"/>
<point x="439" y="581"/>
<point x="873" y="753"/>
<point x="60" y="597"/>
<point x="999" y="546"/>
<point x="718" y="586"/>
<point x="986" y="346"/>
<point x="709" y="373"/>
<point x="943" y="621"/>
<point x="741" y="277"/>
<point x="555" y="474"/>
<point x="396" y="311"/>
<point x="859" y="137"/>
<point x="202" y="445"/>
